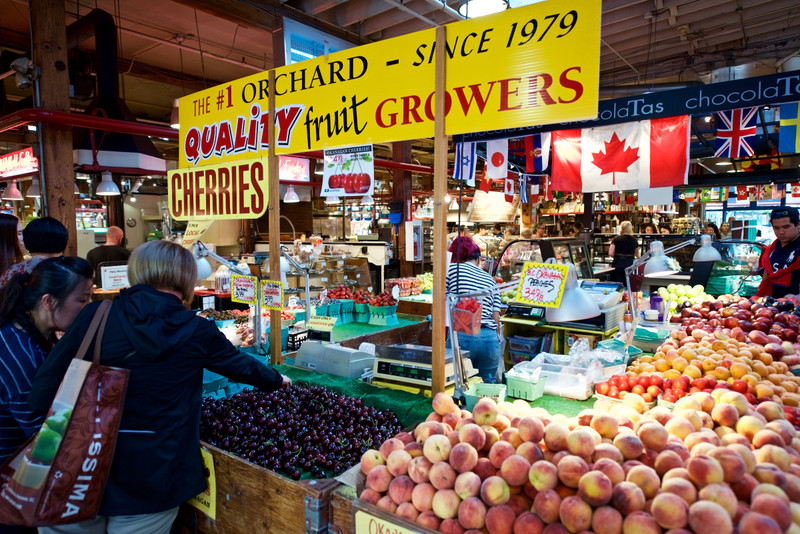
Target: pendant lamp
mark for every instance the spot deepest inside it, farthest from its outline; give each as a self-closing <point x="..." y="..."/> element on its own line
<point x="658" y="264"/>
<point x="332" y="200"/>
<point x="11" y="192"/>
<point x="107" y="187"/>
<point x="34" y="190"/>
<point x="291" y="196"/>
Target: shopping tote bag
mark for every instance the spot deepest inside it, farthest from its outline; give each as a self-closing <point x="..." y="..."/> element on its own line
<point x="59" y="475"/>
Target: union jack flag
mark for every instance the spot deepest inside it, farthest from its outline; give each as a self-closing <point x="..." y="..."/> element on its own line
<point x="760" y="192"/>
<point x="736" y="131"/>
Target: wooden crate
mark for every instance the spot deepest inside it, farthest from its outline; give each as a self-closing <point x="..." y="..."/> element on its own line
<point x="253" y="499"/>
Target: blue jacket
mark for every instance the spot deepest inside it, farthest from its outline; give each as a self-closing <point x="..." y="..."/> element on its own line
<point x="157" y="463"/>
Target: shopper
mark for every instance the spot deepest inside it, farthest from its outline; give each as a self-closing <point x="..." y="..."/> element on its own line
<point x="541" y="230"/>
<point x="150" y="331"/>
<point x="464" y="276"/>
<point x="479" y="238"/>
<point x="712" y="230"/>
<point x="44" y="238"/>
<point x="33" y="307"/>
<point x="665" y="229"/>
<point x="111" y="251"/>
<point x="624" y="249"/>
<point x="498" y="231"/>
<point x="725" y="231"/>
<point x="779" y="264"/>
<point x="10" y="241"/>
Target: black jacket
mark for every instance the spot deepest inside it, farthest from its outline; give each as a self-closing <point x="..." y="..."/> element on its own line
<point x="157" y="463"/>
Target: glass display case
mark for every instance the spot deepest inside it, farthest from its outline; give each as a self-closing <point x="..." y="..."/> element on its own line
<point x="563" y="250"/>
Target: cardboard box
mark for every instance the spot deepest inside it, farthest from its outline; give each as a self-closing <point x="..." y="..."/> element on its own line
<point x="572" y="338"/>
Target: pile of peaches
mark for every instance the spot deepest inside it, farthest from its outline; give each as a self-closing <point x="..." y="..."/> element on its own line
<point x="713" y="465"/>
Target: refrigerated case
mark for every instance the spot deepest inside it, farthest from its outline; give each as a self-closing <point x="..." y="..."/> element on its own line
<point x="563" y="250"/>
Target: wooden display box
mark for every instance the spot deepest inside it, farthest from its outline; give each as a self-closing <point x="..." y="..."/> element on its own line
<point x="251" y="499"/>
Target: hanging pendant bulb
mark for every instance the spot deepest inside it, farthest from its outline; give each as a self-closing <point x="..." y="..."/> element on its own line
<point x="291" y="197"/>
<point x="107" y="187"/>
<point x="11" y="192"/>
<point x="332" y="200"/>
<point x="34" y="190"/>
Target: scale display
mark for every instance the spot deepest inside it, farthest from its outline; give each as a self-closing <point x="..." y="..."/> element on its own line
<point x="411" y="364"/>
<point x="405" y="371"/>
<point x="531" y="312"/>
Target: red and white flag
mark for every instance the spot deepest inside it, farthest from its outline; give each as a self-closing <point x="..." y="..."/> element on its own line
<point x="497" y="158"/>
<point x="510" y="179"/>
<point x="633" y="155"/>
<point x="741" y="192"/>
<point x="796" y="190"/>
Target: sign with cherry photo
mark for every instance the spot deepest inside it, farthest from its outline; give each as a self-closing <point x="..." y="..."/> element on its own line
<point x="349" y="172"/>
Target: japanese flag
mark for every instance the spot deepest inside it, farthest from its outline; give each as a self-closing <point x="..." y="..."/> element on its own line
<point x="497" y="158"/>
<point x="633" y="155"/>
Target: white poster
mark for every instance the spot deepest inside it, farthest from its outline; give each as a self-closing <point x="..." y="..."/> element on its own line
<point x="349" y="172"/>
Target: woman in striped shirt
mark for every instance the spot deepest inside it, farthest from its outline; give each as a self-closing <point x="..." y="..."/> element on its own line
<point x="465" y="276"/>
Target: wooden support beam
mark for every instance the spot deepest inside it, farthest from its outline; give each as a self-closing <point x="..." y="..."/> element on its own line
<point x="274" y="227"/>
<point x="48" y="26"/>
<point x="401" y="192"/>
<point x="439" y="308"/>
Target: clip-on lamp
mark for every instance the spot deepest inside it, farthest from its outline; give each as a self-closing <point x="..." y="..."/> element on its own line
<point x="576" y="303"/>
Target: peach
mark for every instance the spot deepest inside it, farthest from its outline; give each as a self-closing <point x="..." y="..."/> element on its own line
<point x="426" y="430"/>
<point x="580" y="442"/>
<point x="680" y="427"/>
<point x="611" y="469"/>
<point x="744" y="487"/>
<point x="737" y="400"/>
<point x="640" y="523"/>
<point x="767" y="437"/>
<point x="555" y="528"/>
<point x="515" y="470"/>
<point x="733" y="467"/>
<point x="495" y="491"/>
<point x="446" y="503"/>
<point x="773" y="507"/>
<point x="546" y="505"/>
<point x="379" y="478"/>
<point x="667" y="460"/>
<point x="679" y="448"/>
<point x="707" y="517"/>
<point x="530" y="451"/>
<point x="370" y="459"/>
<point x="770" y="410"/>
<point x="531" y="428"/>
<point x="414" y="449"/>
<point x="500" y="520"/>
<point x="792" y="488"/>
<point x="746" y="454"/>
<point x="443" y="404"/>
<point x="519" y="502"/>
<point x="405" y="437"/>
<point x="428" y="520"/>
<point x="705" y="436"/>
<point x="422" y="496"/>
<point x="605" y="424"/>
<point x="748" y="426"/>
<point x="442" y="475"/>
<point x="755" y="523"/>
<point x="595" y="488"/>
<point x="606" y="520"/>
<point x="484" y="468"/>
<point x="653" y="435"/>
<point x="473" y="435"/>
<point x="370" y="495"/>
<point x="734" y="438"/>
<point x="543" y="475"/>
<point x="701" y="448"/>
<point x="452" y="419"/>
<point x="680" y="487"/>
<point x="721" y="494"/>
<point x="704" y="470"/>
<point x="774" y="455"/>
<point x="485" y="411"/>
<point x="725" y="415"/>
<point x="463" y="457"/>
<point x="499" y="452"/>
<point x="386" y="503"/>
<point x="467" y="485"/>
<point x="607" y="450"/>
<point x="768" y="474"/>
<point x="419" y="469"/>
<point x="571" y="469"/>
<point x="575" y="514"/>
<point x="407" y="510"/>
<point x="646" y="478"/>
<point x="528" y="523"/>
<point x="389" y="446"/>
<point x="397" y="462"/>
<point x="629" y="445"/>
<point x="502" y="423"/>
<point x="627" y="498"/>
<point x="400" y="489"/>
<point x="784" y="428"/>
<point x="555" y="436"/>
<point x="511" y="435"/>
<point x="472" y="513"/>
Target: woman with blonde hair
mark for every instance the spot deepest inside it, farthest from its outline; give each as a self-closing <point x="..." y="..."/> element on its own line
<point x="624" y="249"/>
<point x="150" y="331"/>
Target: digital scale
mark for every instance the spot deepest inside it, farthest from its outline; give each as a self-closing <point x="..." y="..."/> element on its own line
<point x="606" y="294"/>
<point x="534" y="313"/>
<point x="411" y="364"/>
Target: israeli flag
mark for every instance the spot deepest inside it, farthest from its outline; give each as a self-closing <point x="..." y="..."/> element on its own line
<point x="465" y="163"/>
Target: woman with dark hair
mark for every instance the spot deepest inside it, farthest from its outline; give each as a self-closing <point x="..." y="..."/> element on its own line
<point x="10" y="241"/>
<point x="157" y="463"/>
<point x="465" y="276"/>
<point x="44" y="237"/>
<point x="33" y="307"/>
<point x="649" y="228"/>
<point x="713" y="231"/>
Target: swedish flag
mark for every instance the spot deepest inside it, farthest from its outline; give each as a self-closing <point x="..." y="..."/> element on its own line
<point x="789" y="135"/>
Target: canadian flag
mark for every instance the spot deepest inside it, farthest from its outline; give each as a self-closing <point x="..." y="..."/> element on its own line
<point x="510" y="179"/>
<point x="633" y="155"/>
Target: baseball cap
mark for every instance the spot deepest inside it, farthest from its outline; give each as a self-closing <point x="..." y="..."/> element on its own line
<point x="785" y="211"/>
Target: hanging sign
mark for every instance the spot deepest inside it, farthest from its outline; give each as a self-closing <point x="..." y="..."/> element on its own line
<point x="542" y="284"/>
<point x="206" y="502"/>
<point x="349" y="172"/>
<point x="272" y="294"/>
<point x="194" y="231"/>
<point x="244" y="289"/>
<point x="19" y="163"/>
<point x="535" y="64"/>
<point x="236" y="190"/>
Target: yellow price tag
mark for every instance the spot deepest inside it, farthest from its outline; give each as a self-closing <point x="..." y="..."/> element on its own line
<point x="542" y="284"/>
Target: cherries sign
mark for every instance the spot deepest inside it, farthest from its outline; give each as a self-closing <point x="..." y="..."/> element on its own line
<point x="348" y="172"/>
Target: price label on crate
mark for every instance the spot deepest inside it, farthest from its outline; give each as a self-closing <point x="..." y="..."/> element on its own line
<point x="244" y="289"/>
<point x="272" y="294"/>
<point x="542" y="284"/>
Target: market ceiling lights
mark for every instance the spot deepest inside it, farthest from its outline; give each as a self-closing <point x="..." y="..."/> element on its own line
<point x="11" y="192"/>
<point x="174" y="121"/>
<point x="454" y="205"/>
<point x="107" y="187"/>
<point x="319" y="167"/>
<point x="367" y="199"/>
<point x="332" y="200"/>
<point x="34" y="190"/>
<point x="479" y="8"/>
<point x="291" y="197"/>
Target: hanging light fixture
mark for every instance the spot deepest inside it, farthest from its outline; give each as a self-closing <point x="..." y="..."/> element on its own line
<point x="11" y="192"/>
<point x="34" y="190"/>
<point x="77" y="191"/>
<point x="480" y="8"/>
<point x="291" y="197"/>
<point x="332" y="200"/>
<point x="454" y="205"/>
<point x="367" y="199"/>
<point x="706" y="252"/>
<point x="174" y="120"/>
<point x="107" y="187"/>
<point x="319" y="168"/>
<point x="658" y="264"/>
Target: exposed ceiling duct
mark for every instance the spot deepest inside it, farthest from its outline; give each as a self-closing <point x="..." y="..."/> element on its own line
<point x="97" y="150"/>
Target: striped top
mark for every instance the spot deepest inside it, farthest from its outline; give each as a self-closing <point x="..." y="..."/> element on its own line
<point x="469" y="278"/>
<point x="20" y="358"/>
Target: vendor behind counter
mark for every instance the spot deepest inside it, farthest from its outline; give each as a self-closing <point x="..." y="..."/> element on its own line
<point x="779" y="264"/>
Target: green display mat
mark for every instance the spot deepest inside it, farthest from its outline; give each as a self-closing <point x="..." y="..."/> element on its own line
<point x="560" y="405"/>
<point x="351" y="330"/>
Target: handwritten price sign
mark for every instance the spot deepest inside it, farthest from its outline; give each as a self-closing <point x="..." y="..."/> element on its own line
<point x="272" y="294"/>
<point x="542" y="284"/>
<point x="244" y="289"/>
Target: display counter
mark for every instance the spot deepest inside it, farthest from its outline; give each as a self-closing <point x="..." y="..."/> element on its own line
<point x="416" y="304"/>
<point x="562" y="250"/>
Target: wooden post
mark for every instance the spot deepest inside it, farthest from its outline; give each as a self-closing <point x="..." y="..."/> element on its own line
<point x="439" y="308"/>
<point x="401" y="192"/>
<point x="274" y="225"/>
<point x="48" y="26"/>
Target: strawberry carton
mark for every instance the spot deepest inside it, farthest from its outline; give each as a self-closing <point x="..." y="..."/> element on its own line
<point x="467" y="316"/>
<point x="383" y="310"/>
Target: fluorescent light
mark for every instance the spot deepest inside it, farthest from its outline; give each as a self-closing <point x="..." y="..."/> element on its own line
<point x="724" y="163"/>
<point x="107" y="187"/>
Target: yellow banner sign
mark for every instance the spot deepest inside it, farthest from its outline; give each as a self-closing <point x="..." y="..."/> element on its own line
<point x="236" y="190"/>
<point x="531" y="65"/>
<point x="542" y="284"/>
<point x="194" y="231"/>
